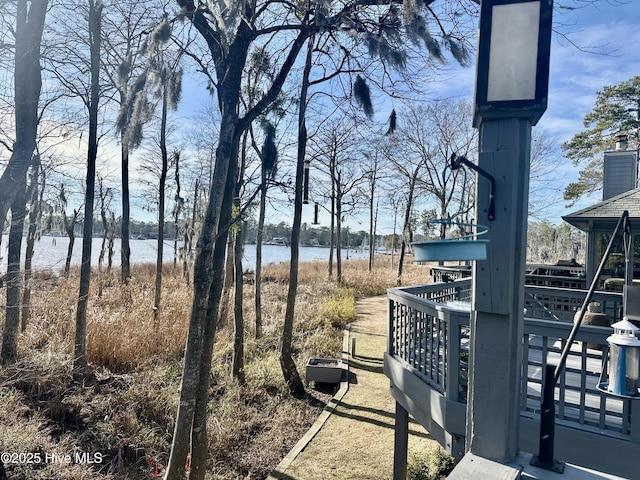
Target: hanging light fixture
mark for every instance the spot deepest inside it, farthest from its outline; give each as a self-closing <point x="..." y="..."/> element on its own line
<point x="513" y="59"/>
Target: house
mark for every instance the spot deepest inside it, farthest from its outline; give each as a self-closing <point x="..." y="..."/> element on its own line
<point x="620" y="193"/>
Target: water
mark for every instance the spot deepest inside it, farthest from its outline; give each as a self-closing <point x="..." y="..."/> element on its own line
<point x="51" y="252"/>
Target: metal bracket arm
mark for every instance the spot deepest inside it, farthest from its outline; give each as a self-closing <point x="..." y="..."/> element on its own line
<point x="456" y="162"/>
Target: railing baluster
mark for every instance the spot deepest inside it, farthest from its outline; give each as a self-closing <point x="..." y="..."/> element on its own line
<point x="411" y="339"/>
<point x="524" y="378"/>
<point x="452" y="357"/>
<point x="439" y="359"/>
<point x="562" y="387"/>
<point x="583" y="381"/>
<point x="635" y="422"/>
<point x="602" y="420"/>
<point x="625" y="415"/>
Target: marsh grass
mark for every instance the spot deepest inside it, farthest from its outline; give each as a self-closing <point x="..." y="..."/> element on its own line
<point x="127" y="417"/>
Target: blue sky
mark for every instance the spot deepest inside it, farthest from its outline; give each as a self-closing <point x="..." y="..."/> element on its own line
<point x="601" y="48"/>
<point x="609" y="28"/>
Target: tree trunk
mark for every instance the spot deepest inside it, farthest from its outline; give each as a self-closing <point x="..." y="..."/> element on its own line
<point x="259" y="239"/>
<point x="34" y="218"/>
<point x="332" y="228"/>
<point x="372" y="227"/>
<point x="70" y="229"/>
<point x="237" y="367"/>
<point x="189" y="234"/>
<point x="112" y="234"/>
<point x="407" y="219"/>
<point x="161" y="200"/>
<point x="227" y="284"/>
<point x="238" y="335"/>
<point x="190" y="426"/>
<point x="199" y="438"/>
<point x="81" y="371"/>
<point x="30" y="19"/>
<point x="204" y="274"/>
<point x="125" y="249"/>
<point x="12" y="318"/>
<point x="176" y="214"/>
<point x="105" y="232"/>
<point x="339" y="238"/>
<point x="289" y="370"/>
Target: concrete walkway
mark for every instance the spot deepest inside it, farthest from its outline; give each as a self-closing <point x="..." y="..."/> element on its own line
<point x="356" y="440"/>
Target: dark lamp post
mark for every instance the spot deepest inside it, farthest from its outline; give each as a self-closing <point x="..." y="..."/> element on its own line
<point x="513" y="60"/>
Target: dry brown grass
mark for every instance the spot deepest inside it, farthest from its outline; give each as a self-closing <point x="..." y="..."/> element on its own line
<point x="128" y="416"/>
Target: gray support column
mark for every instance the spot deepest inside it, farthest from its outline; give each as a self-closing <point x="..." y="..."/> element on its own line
<point x="401" y="443"/>
<point x="498" y="293"/>
<point x="591" y="262"/>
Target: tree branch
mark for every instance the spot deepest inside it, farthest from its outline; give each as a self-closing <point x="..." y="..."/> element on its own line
<point x="209" y="33"/>
<point x="278" y="81"/>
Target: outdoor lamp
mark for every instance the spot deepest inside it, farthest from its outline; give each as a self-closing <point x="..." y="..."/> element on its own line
<point x="513" y="59"/>
<point x="623" y="364"/>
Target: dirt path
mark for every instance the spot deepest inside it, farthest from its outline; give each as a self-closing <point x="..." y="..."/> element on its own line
<point x="356" y="442"/>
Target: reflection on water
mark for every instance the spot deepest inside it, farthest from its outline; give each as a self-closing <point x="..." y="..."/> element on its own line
<point x="50" y="252"/>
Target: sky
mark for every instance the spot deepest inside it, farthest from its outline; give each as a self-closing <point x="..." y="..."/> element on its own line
<point x="610" y="28"/>
<point x="600" y="47"/>
<point x="592" y="47"/>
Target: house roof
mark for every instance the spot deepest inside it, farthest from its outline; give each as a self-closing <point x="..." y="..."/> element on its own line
<point x="605" y="214"/>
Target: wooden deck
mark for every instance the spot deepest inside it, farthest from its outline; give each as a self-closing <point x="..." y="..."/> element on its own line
<point x="427" y="363"/>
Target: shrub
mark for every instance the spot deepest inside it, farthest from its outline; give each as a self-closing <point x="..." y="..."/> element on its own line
<point x="433" y="465"/>
<point x="339" y="308"/>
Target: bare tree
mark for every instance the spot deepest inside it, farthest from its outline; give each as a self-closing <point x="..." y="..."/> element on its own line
<point x="408" y="173"/>
<point x="28" y="30"/>
<point x="81" y="370"/>
<point x="105" y="196"/>
<point x="230" y="31"/>
<point x="545" y="161"/>
<point x="36" y="207"/>
<point x="69" y="224"/>
<point x="433" y="133"/>
<point x="169" y="79"/>
<point x="126" y="55"/>
<point x="12" y="317"/>
<point x="269" y="157"/>
<point x="374" y="173"/>
<point x="30" y="18"/>
<point x="420" y="150"/>
<point x="336" y="149"/>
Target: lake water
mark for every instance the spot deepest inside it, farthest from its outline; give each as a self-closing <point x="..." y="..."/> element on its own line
<point x="50" y="252"/>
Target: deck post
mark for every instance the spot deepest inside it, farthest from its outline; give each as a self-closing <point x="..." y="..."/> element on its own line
<point x="401" y="443"/>
<point x="497" y="316"/>
<point x="635" y="421"/>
